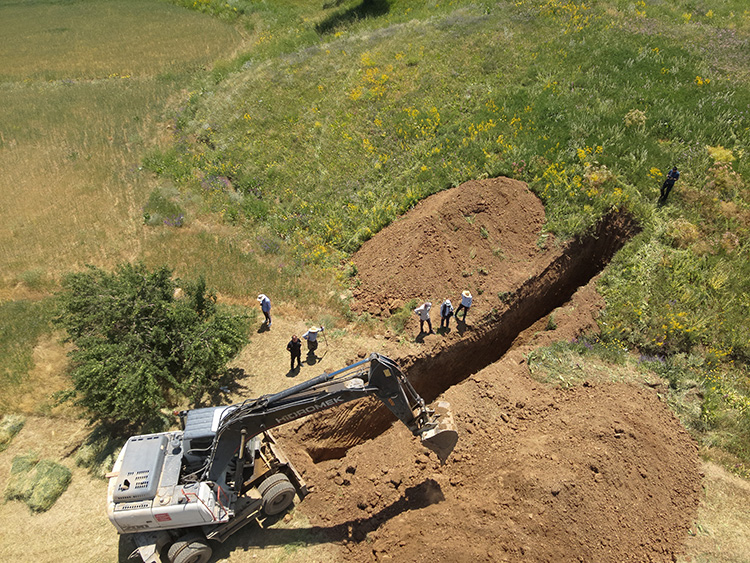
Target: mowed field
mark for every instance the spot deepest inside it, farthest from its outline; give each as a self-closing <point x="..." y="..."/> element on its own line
<point x="86" y="87"/>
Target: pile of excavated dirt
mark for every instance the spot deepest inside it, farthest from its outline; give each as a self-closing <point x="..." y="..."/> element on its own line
<point x="481" y="236"/>
<point x="600" y="473"/>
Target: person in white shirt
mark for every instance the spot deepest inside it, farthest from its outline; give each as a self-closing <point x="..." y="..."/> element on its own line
<point x="466" y="300"/>
<point x="312" y="339"/>
<point x="446" y="312"/>
<point x="423" y="312"/>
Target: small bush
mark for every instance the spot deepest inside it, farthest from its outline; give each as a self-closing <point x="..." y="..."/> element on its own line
<point x="682" y="233"/>
<point x="398" y="320"/>
<point x="163" y="209"/>
<point x="551" y="323"/>
<point x="635" y="118"/>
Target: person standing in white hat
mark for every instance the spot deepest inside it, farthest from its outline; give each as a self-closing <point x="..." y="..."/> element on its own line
<point x="466" y="300"/>
<point x="265" y="306"/>
<point x="446" y="312"/>
<point x="312" y="339"/>
<point x="423" y="312"/>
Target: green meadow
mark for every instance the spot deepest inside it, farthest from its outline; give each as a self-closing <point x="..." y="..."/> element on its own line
<point x="261" y="143"/>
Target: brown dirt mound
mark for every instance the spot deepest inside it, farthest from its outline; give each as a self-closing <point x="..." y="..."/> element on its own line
<point x="600" y="473"/>
<point x="480" y="235"/>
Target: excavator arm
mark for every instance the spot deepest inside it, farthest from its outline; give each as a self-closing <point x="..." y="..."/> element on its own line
<point x="181" y="488"/>
<point x="375" y="376"/>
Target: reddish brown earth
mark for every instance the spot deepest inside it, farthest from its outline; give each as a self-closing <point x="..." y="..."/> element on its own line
<point x="601" y="472"/>
<point x="481" y="236"/>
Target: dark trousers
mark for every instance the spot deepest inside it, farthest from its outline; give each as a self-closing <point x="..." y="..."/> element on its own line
<point x="458" y="310"/>
<point x="267" y="314"/>
<point x="446" y="320"/>
<point x="421" y="325"/>
<point x="297" y="355"/>
<point x="312" y="345"/>
<point x="666" y="187"/>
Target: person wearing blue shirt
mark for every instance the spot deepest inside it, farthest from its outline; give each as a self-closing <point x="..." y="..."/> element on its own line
<point x="265" y="306"/>
<point x="668" y="184"/>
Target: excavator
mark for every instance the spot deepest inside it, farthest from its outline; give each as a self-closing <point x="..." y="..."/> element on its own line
<point x="177" y="492"/>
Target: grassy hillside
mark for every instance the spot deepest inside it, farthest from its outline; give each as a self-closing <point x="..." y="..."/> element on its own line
<point x="285" y="134"/>
<point x="332" y="126"/>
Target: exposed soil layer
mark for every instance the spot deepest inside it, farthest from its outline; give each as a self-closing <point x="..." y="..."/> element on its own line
<point x="481" y="236"/>
<point x="449" y="360"/>
<point x="601" y="472"/>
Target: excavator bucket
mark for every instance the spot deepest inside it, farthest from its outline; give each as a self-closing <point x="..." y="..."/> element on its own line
<point x="442" y="438"/>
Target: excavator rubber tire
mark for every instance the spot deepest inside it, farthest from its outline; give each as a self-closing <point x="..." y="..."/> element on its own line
<point x="278" y="494"/>
<point x="191" y="548"/>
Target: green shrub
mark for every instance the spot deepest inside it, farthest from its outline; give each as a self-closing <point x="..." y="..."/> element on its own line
<point x="143" y="340"/>
<point x="401" y="316"/>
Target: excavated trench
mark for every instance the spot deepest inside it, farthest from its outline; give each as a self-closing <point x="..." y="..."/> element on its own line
<point x="435" y="371"/>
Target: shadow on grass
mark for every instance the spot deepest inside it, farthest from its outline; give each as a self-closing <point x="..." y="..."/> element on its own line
<point x="367" y="9"/>
<point x="229" y="385"/>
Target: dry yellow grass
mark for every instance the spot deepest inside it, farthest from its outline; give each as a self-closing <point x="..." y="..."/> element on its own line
<point x="721" y="533"/>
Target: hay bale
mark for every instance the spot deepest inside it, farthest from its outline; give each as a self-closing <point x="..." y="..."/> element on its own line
<point x="10" y="425"/>
<point x="39" y="483"/>
<point x="52" y="479"/>
<point x="20" y="482"/>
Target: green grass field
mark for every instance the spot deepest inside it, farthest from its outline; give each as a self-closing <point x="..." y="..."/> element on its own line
<point x="260" y="144"/>
<point x="312" y="146"/>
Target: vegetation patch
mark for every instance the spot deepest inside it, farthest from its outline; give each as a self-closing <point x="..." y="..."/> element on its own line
<point x="143" y="341"/>
<point x="163" y="208"/>
<point x="10" y="425"/>
<point x="707" y="391"/>
<point x="21" y="324"/>
<point x="37" y="482"/>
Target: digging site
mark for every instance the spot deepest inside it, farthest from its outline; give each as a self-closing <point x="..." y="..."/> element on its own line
<point x="601" y="472"/>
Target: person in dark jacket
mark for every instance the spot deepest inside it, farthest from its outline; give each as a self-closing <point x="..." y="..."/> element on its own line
<point x="668" y="184"/>
<point x="446" y="312"/>
<point x="295" y="350"/>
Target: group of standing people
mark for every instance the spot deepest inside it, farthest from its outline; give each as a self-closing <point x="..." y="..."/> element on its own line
<point x="446" y="312"/>
<point x="294" y="347"/>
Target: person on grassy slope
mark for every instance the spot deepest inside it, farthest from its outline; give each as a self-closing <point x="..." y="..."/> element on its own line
<point x="668" y="184"/>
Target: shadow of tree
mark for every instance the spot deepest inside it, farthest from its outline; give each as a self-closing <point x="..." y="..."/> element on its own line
<point x="228" y="384"/>
<point x="367" y="9"/>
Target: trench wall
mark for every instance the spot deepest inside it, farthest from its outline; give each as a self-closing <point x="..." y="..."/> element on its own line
<point x="331" y="434"/>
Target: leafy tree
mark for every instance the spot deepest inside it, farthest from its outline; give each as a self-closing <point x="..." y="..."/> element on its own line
<point x="144" y="340"/>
